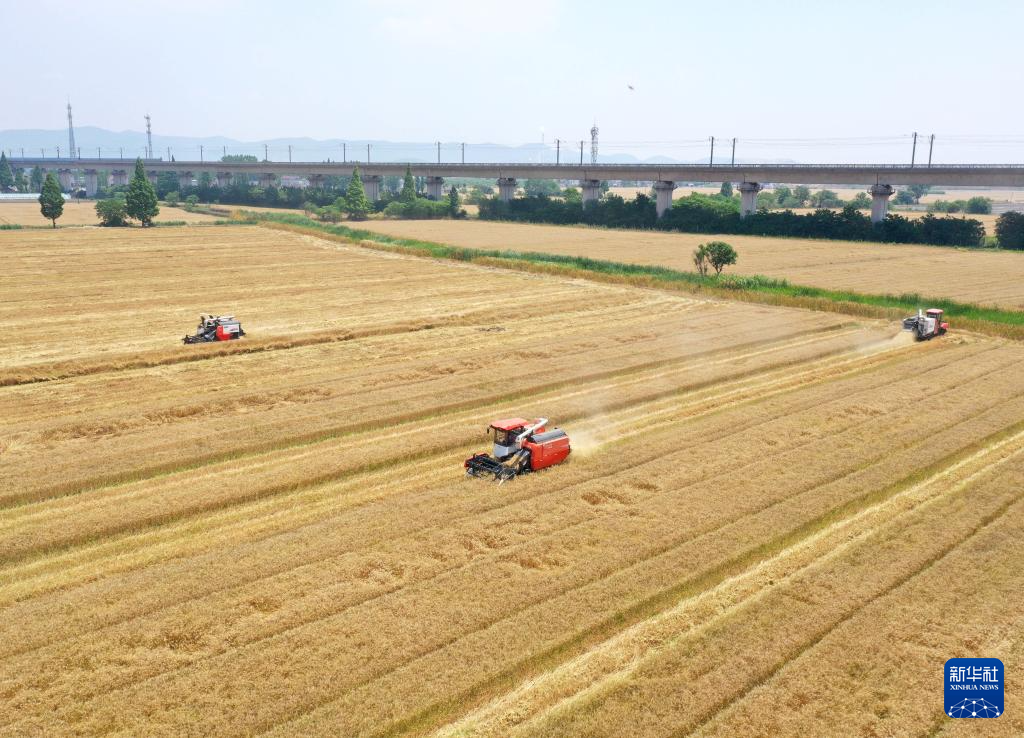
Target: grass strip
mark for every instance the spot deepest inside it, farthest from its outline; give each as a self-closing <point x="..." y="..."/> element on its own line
<point x="750" y="288"/>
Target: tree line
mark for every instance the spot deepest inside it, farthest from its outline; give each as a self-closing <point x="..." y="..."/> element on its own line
<point x="698" y="213"/>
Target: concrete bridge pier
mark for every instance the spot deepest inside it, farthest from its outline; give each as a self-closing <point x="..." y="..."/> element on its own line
<point x="91" y="182"/>
<point x="223" y="179"/>
<point x="152" y="177"/>
<point x="66" y="180"/>
<point x="371" y="184"/>
<point x="591" y="189"/>
<point x="435" y="188"/>
<point x="748" y="198"/>
<point x="315" y="180"/>
<point x="506" y="188"/>
<point x="880" y="194"/>
<point x="663" y="196"/>
<point x="267" y="179"/>
<point x="120" y="177"/>
<point x="184" y="181"/>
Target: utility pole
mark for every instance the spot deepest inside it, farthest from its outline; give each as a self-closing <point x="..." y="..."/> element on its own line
<point x="558" y="150"/>
<point x="289" y="153"/>
<point x="732" y="161"/>
<point x="463" y="153"/>
<point x="225" y="151"/>
<point x="149" y="138"/>
<point x="98" y="154"/>
<point x="168" y="153"/>
<point x="931" y="145"/>
<point x="581" y="153"/>
<point x="913" y="151"/>
<point x="367" y="153"/>
<point x="711" y="161"/>
<point x="438" y="152"/>
<point x="266" y="154"/>
<point x="344" y="153"/>
<point x="200" y="152"/>
<point x="58" y="152"/>
<point x="71" y="133"/>
<point x="121" y="153"/>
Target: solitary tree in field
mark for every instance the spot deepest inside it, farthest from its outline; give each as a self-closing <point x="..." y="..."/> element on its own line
<point x="720" y="255"/>
<point x="356" y="204"/>
<point x="408" y="187"/>
<point x="140" y="200"/>
<point x="700" y="260"/>
<point x="726" y="190"/>
<point x="51" y="201"/>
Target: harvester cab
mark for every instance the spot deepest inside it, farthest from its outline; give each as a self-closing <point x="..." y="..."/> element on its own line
<point x="519" y="446"/>
<point x="926" y="324"/>
<point x="215" y="328"/>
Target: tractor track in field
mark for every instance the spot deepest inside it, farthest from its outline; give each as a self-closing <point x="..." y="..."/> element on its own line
<point x="614" y="623"/>
<point x="613" y="660"/>
<point x="766" y="383"/>
<point x="654" y="458"/>
<point x="700" y="406"/>
<point x="336" y="432"/>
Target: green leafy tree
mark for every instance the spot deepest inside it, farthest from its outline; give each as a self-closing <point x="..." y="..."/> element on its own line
<point x="571" y="194"/>
<point x="35" y="180"/>
<point x="700" y="260"/>
<point x="1010" y="230"/>
<point x="825" y="199"/>
<point x="802" y="194"/>
<point x="766" y="200"/>
<point x="356" y="204"/>
<point x="720" y="255"/>
<point x="726" y="190"/>
<point x="547" y="187"/>
<point x="172" y="198"/>
<point x="861" y="201"/>
<point x="141" y="203"/>
<point x="782" y="194"/>
<point x="453" y="202"/>
<point x="20" y="181"/>
<point x="166" y="182"/>
<point x="241" y="158"/>
<point x="903" y="197"/>
<point x="918" y="191"/>
<point x="408" y="187"/>
<point x="51" y="200"/>
<point x="979" y="206"/>
<point x="112" y="213"/>
<point x="6" y="175"/>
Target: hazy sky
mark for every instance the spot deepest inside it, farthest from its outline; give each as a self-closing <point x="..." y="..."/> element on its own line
<point x="512" y="72"/>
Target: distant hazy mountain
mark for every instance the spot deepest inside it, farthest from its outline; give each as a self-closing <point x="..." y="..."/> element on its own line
<point x="92" y="141"/>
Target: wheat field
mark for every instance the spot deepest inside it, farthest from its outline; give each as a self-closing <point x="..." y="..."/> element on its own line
<point x="84" y="213"/>
<point x="764" y="506"/>
<point x="984" y="277"/>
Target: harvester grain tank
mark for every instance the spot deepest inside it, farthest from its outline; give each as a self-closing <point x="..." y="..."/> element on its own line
<point x="520" y="446"/>
<point x="926" y="324"/>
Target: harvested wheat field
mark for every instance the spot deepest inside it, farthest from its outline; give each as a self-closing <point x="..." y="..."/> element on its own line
<point x="84" y="213"/>
<point x="765" y="507"/>
<point x="983" y="277"/>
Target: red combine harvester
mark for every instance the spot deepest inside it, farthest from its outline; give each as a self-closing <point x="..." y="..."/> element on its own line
<point x="926" y="325"/>
<point x="215" y="328"/>
<point x="520" y="446"/>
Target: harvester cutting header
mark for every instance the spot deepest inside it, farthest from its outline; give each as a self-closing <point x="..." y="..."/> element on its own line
<point x="520" y="446"/>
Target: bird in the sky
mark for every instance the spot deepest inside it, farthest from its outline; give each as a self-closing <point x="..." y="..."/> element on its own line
<point x="631" y="87"/>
